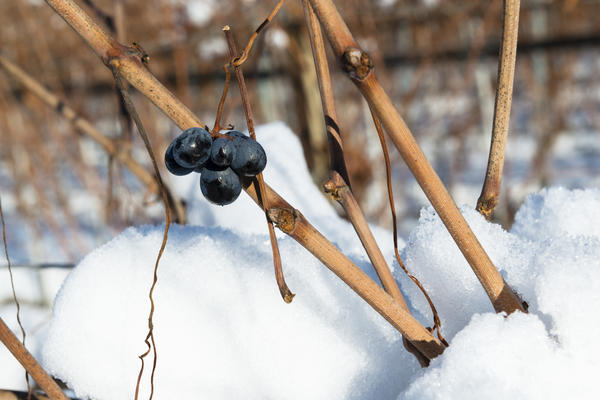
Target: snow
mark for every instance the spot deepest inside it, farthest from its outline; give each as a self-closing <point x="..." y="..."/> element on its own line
<point x="218" y="305"/>
<point x="277" y="38"/>
<point x="221" y="271"/>
<point x="551" y="257"/>
<point x="222" y="330"/>
<point x="35" y="290"/>
<point x="13" y="375"/>
<point x="432" y="256"/>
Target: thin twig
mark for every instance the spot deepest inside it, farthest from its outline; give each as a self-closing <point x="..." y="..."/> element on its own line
<point x="217" y="126"/>
<point x="150" y="336"/>
<point x="239" y="60"/>
<point x="14" y="293"/>
<point x="285" y="292"/>
<point x="506" y="73"/>
<point x="437" y="324"/>
<point x="337" y="162"/>
<point x="359" y="67"/>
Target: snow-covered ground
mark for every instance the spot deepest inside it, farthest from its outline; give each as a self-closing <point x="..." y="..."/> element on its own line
<point x="222" y="330"/>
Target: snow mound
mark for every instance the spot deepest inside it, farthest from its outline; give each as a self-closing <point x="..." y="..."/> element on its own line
<point x="559" y="212"/>
<point x="432" y="256"/>
<point x="222" y="330"/>
<point x="552" y="258"/>
<point x="218" y="304"/>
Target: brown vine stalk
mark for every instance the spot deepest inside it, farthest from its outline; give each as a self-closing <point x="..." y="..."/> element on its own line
<point x="288" y="219"/>
<point x="338" y="185"/>
<point x="358" y="65"/>
<point x="109" y="145"/>
<point x="30" y="364"/>
<point x="284" y="290"/>
<point x="506" y="72"/>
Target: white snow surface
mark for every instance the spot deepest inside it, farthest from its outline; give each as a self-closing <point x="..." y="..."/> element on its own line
<point x="222" y="330"/>
<point x="552" y="258"/>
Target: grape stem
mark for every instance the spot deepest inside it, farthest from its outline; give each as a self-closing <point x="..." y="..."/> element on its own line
<point x="285" y="292"/>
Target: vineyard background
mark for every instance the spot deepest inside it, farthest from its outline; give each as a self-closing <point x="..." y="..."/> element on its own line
<point x="63" y="196"/>
<point x="437" y="59"/>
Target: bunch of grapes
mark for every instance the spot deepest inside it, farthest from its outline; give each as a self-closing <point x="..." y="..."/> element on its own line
<point x="221" y="161"/>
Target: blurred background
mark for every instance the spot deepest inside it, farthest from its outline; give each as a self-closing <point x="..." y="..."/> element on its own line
<point x="63" y="195"/>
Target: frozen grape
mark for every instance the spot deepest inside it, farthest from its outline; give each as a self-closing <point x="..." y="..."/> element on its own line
<point x="222" y="152"/>
<point x="172" y="165"/>
<point x="191" y="149"/>
<point x="249" y="158"/>
<point x="220" y="185"/>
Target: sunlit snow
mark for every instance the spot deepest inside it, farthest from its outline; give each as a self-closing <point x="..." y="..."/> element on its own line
<point x="222" y="330"/>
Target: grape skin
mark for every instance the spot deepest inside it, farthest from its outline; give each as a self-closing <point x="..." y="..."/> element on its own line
<point x="222" y="162"/>
<point x="219" y="185"/>
<point x="192" y="148"/>
<point x="172" y="165"/>
<point x="222" y="152"/>
<point x="250" y="158"/>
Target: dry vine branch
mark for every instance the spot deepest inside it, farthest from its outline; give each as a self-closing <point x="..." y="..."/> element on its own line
<point x="109" y="145"/>
<point x="506" y="73"/>
<point x="285" y="292"/>
<point x="239" y="60"/>
<point x="29" y="363"/>
<point x="284" y="215"/>
<point x="338" y="185"/>
<point x="359" y="67"/>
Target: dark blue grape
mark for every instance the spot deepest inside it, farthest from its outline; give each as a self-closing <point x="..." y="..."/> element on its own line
<point x="172" y="165"/>
<point x="238" y="134"/>
<point x="222" y="152"/>
<point x="191" y="149"/>
<point x="219" y="185"/>
<point x="250" y="158"/>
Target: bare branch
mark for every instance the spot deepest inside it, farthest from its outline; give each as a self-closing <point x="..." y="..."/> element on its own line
<point x="284" y="290"/>
<point x="506" y="72"/>
<point x="338" y="185"/>
<point x="358" y="65"/>
<point x="149" y="340"/>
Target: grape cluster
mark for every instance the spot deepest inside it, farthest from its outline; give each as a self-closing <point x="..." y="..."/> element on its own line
<point x="221" y="161"/>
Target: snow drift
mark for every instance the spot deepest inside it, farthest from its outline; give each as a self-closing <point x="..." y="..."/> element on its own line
<point x="222" y="330"/>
